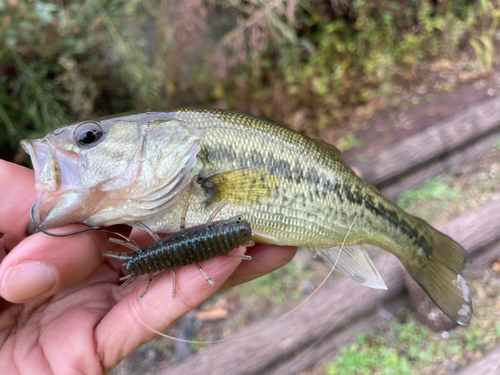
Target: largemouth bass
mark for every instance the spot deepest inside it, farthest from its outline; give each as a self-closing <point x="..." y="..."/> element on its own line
<point x="293" y="190"/>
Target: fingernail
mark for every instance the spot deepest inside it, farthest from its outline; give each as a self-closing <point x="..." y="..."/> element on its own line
<point x="27" y="280"/>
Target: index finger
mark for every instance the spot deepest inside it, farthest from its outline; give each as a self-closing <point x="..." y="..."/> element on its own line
<point x="17" y="194"/>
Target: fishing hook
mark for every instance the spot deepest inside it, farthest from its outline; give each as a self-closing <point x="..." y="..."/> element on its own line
<point x="58" y="235"/>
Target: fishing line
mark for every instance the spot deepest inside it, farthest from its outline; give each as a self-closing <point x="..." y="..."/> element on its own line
<point x="277" y="320"/>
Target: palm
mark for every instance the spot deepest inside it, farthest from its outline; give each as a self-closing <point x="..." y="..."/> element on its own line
<point x="82" y="323"/>
<point x="59" y="332"/>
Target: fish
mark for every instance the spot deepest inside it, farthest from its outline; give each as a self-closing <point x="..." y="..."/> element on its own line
<point x="292" y="189"/>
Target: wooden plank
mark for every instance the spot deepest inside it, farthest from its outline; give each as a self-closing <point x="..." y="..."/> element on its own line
<point x="477" y="121"/>
<point x="482" y="259"/>
<point x="387" y="128"/>
<point x="476" y="229"/>
<point x="462" y="156"/>
<point x="488" y="365"/>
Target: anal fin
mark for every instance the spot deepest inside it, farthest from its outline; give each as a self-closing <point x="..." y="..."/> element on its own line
<point x="353" y="262"/>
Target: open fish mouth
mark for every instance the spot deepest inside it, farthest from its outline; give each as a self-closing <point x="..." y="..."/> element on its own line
<point x="56" y="172"/>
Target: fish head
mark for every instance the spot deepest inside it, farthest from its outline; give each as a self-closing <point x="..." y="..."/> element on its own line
<point x="111" y="171"/>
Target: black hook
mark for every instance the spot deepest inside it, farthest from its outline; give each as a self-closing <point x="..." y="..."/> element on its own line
<point x="58" y="235"/>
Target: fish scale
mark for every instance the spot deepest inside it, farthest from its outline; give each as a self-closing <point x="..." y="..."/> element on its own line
<point x="295" y="188"/>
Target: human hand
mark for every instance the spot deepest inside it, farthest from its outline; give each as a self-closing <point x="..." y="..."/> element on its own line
<point x="61" y="311"/>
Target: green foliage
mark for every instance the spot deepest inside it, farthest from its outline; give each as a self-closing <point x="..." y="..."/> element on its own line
<point x="310" y="64"/>
<point x="411" y="331"/>
<point x="62" y="62"/>
<point x="348" y="142"/>
<point x="342" y="62"/>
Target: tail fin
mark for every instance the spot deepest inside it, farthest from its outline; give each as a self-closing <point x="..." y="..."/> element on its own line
<point x="440" y="275"/>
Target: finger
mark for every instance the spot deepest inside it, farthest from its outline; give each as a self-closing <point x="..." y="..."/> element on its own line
<point x="123" y="329"/>
<point x="10" y="242"/>
<point x="42" y="266"/>
<point x="17" y="194"/>
<point x="265" y="259"/>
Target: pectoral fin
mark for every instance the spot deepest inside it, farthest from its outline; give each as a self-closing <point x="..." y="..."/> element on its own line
<point x="241" y="186"/>
<point x="353" y="262"/>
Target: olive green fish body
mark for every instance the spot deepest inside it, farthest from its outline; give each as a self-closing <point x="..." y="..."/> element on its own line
<point x="293" y="190"/>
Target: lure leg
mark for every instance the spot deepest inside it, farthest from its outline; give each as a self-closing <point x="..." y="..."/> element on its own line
<point x="116" y="255"/>
<point x="214" y="214"/>
<point x="124" y="243"/>
<point x="127" y="283"/>
<point x="174" y="276"/>
<point x="238" y="256"/>
<point x="183" y="218"/>
<point x="147" y="286"/>
<point x="151" y="233"/>
<point x="202" y="271"/>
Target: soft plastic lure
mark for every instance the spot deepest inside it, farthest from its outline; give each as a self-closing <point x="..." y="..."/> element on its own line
<point x="186" y="247"/>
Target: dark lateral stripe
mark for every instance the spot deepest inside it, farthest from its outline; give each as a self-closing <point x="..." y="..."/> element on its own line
<point x="390" y="217"/>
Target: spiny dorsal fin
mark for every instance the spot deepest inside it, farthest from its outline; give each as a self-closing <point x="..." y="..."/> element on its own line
<point x="353" y="262"/>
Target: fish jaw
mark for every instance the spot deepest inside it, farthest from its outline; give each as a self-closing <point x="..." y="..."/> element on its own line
<point x="56" y="175"/>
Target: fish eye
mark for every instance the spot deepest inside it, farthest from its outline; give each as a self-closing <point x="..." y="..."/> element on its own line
<point x="88" y="134"/>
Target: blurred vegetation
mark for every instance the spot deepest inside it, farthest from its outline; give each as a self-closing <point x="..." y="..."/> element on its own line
<point x="303" y="63"/>
<point x="437" y="191"/>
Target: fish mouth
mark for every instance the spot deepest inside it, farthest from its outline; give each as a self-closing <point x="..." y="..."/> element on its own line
<point x="56" y="173"/>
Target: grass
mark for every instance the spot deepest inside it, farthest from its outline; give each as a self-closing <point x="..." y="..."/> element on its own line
<point x="436" y="191"/>
<point x="373" y="354"/>
<point x="366" y="361"/>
